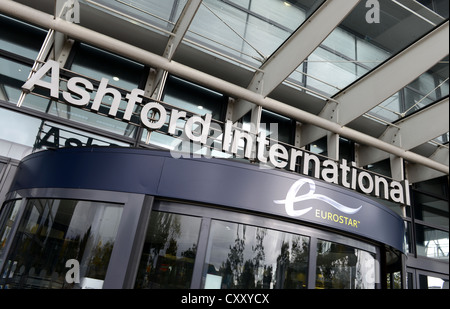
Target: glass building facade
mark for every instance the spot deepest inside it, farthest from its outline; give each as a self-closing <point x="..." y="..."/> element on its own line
<point x="349" y="84"/>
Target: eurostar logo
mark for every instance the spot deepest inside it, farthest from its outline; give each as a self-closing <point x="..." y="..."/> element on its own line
<point x="292" y="198"/>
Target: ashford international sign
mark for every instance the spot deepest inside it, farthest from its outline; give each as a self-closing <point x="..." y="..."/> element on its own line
<point x="79" y="94"/>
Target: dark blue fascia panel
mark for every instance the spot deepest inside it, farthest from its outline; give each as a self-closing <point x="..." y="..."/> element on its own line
<point x="214" y="181"/>
<point x="111" y="169"/>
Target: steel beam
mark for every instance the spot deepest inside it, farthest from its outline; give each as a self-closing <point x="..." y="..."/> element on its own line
<point x="179" y="31"/>
<point x="410" y="132"/>
<point x="417" y="173"/>
<point x="181" y="27"/>
<point x="296" y="49"/>
<point x="384" y="81"/>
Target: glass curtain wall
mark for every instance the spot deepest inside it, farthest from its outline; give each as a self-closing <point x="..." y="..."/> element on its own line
<point x="431" y="217"/>
<point x="19" y="46"/>
<point x="8" y="216"/>
<point x="123" y="75"/>
<point x="248" y="30"/>
<point x="162" y="14"/>
<point x="356" y="47"/>
<point x="428" y="88"/>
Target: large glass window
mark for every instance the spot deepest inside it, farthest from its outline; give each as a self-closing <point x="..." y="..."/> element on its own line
<point x="2" y="165"/>
<point x="8" y="216"/>
<point x="429" y="87"/>
<point x="438" y="6"/>
<point x="248" y="257"/>
<point x="356" y="47"/>
<point x="122" y="75"/>
<point x="163" y="14"/>
<point x="13" y="74"/>
<point x="96" y="63"/>
<point x="20" y="38"/>
<point x="431" y="242"/>
<point x="343" y="267"/>
<point x="52" y="232"/>
<point x="430" y="209"/>
<point x="430" y="282"/>
<point x="248" y="30"/>
<point x="19" y="46"/>
<point x="52" y="135"/>
<point x="169" y="252"/>
<point x="18" y="128"/>
<point x="277" y="127"/>
<point x="194" y="98"/>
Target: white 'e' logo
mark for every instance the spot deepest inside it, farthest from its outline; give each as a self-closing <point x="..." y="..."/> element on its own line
<point x="291" y="198"/>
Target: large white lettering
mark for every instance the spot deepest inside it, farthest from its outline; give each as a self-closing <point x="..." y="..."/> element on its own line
<point x="196" y="134"/>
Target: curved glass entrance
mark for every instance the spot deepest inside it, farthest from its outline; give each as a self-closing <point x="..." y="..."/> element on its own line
<point x="130" y="218"/>
<point x="200" y="247"/>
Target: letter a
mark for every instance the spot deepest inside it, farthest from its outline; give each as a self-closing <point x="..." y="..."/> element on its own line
<point x="373" y="15"/>
<point x="73" y="275"/>
<point x="36" y="79"/>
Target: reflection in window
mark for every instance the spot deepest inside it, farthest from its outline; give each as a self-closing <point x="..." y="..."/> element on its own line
<point x="20" y="38"/>
<point x="394" y="280"/>
<point x="277" y="127"/>
<point x="431" y="242"/>
<point x="194" y="99"/>
<point x="246" y="257"/>
<point x="438" y="6"/>
<point x="55" y="231"/>
<point x="169" y="252"/>
<point x="96" y="63"/>
<point x="430" y="282"/>
<point x="344" y="267"/>
<point x="52" y="135"/>
<point x="7" y="218"/>
<point x="431" y="86"/>
<point x="353" y="49"/>
<point x="12" y="77"/>
<point x="18" y="128"/>
<point x="431" y="209"/>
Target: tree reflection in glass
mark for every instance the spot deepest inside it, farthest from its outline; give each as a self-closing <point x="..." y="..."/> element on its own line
<point x="169" y="252"/>
<point x="53" y="231"/>
<point x="247" y="257"/>
<point x="343" y="267"/>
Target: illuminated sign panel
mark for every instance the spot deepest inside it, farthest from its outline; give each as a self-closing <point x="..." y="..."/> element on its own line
<point x="153" y="116"/>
